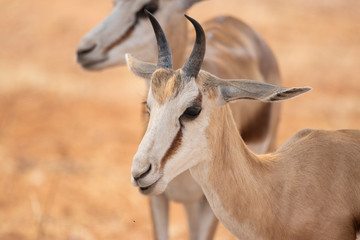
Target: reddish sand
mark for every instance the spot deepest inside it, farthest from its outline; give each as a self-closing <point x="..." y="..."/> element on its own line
<point x="67" y="136"/>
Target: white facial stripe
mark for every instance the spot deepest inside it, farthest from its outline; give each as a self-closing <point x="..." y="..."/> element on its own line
<point x="163" y="140"/>
<point x="189" y="155"/>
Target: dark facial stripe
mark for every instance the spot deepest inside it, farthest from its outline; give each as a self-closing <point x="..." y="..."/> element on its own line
<point x="173" y="148"/>
<point x="356" y="223"/>
<point x="198" y="99"/>
<point x="128" y="32"/>
<point x="120" y="39"/>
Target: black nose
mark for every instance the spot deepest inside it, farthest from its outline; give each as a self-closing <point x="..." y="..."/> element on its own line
<point x="141" y="175"/>
<point x="82" y="51"/>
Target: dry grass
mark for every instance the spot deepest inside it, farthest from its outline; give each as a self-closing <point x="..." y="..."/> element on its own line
<point x="67" y="136"/>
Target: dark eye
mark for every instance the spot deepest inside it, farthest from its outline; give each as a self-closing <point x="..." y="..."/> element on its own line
<point x="191" y="112"/>
<point x="151" y="7"/>
<point x="146" y="108"/>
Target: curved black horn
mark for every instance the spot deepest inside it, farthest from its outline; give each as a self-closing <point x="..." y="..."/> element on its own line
<point x="192" y="67"/>
<point x="164" y="52"/>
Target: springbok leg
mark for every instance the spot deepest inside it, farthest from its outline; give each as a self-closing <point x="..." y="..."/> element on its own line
<point x="160" y="216"/>
<point x="201" y="219"/>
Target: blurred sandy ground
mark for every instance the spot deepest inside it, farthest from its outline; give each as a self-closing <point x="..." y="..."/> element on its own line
<point x="67" y="136"/>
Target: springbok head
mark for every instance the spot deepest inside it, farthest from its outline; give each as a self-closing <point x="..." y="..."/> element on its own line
<point x="180" y="103"/>
<point x="126" y="30"/>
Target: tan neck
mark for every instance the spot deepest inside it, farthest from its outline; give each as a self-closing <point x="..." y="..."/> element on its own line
<point x="234" y="180"/>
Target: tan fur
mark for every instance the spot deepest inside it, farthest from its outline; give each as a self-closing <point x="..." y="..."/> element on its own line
<point x="238" y="52"/>
<point x="199" y="98"/>
<point x="208" y="86"/>
<point x="159" y="81"/>
<point x="165" y="84"/>
<point x="234" y="50"/>
<point x="308" y="189"/>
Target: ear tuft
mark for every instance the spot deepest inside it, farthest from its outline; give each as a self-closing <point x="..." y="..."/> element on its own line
<point x="140" y="68"/>
<point x="286" y="93"/>
<point x="232" y="90"/>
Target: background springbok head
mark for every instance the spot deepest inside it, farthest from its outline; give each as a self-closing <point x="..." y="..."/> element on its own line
<point x="126" y="30"/>
<point x="180" y="104"/>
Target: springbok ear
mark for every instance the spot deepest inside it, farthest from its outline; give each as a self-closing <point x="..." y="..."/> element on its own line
<point x="247" y="89"/>
<point x="140" y="68"/>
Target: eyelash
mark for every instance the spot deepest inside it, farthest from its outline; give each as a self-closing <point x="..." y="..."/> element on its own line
<point x="191" y="113"/>
<point x="151" y="7"/>
<point x="146" y="107"/>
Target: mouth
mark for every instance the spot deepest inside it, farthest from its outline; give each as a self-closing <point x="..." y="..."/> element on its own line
<point x="148" y="189"/>
<point x="90" y="65"/>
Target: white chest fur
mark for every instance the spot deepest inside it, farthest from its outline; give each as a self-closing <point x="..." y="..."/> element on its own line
<point x="184" y="188"/>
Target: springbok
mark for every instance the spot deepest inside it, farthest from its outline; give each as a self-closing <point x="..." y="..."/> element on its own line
<point x="308" y="189"/>
<point x="234" y="51"/>
<point x="127" y="30"/>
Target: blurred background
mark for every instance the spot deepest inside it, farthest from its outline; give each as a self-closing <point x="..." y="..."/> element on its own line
<point x="67" y="136"/>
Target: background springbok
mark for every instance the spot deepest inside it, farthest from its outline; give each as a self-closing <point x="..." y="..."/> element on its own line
<point x="234" y="51"/>
<point x="126" y="30"/>
<point x="308" y="189"/>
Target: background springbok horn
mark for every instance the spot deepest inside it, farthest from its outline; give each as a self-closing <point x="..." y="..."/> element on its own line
<point x="192" y="66"/>
<point x="164" y="52"/>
